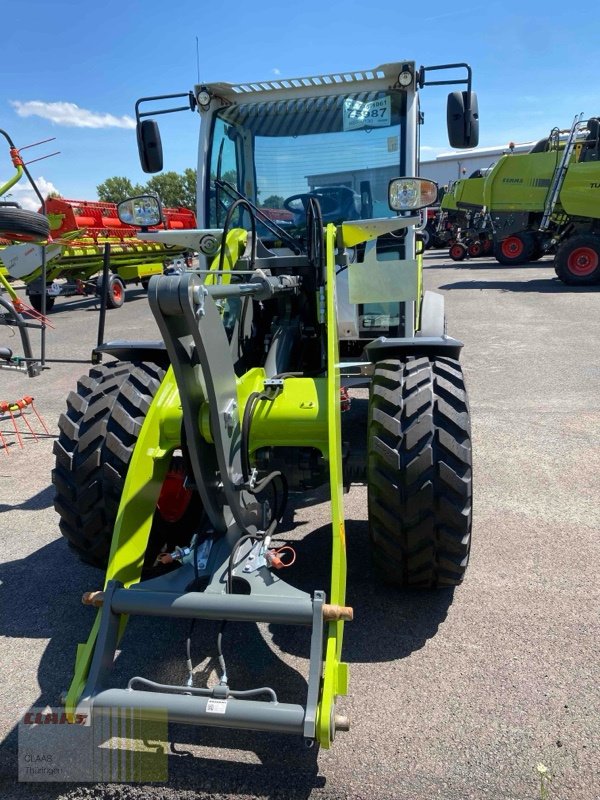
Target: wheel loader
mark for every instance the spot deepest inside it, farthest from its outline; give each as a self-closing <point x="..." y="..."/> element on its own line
<point x="544" y="201"/>
<point x="178" y="458"/>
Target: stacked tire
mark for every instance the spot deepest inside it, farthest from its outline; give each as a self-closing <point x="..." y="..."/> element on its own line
<point x="23" y="226"/>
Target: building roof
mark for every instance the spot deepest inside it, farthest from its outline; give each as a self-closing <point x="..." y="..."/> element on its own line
<point x="479" y="152"/>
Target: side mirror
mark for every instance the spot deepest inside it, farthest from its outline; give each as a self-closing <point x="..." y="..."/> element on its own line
<point x="149" y="145"/>
<point x="411" y="194"/>
<point x="141" y="212"/>
<point x="463" y="119"/>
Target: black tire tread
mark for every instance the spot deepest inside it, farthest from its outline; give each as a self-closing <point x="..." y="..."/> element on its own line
<point x="562" y="254"/>
<point x="97" y="435"/>
<point x="419" y="472"/>
<point x="526" y="256"/>
<point x="35" y="301"/>
<point x="24" y="223"/>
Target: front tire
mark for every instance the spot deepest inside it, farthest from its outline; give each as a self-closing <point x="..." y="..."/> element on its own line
<point x="98" y="434"/>
<point x="419" y="472"/>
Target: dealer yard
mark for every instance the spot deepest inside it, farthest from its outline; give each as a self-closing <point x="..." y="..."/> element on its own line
<point x="452" y="694"/>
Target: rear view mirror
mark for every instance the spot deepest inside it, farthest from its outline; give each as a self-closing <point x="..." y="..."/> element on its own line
<point x="463" y="119"/>
<point x="149" y="145"/>
<point x="141" y="212"/>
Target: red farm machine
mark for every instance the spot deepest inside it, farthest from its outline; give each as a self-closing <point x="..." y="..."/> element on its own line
<point x="80" y="231"/>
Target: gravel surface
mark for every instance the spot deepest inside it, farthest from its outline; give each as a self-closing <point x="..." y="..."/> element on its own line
<point x="452" y="694"/>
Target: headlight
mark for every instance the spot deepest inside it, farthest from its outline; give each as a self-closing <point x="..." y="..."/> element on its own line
<point x="410" y="194"/>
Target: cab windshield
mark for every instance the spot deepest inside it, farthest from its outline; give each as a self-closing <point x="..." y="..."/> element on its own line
<point x="342" y="149"/>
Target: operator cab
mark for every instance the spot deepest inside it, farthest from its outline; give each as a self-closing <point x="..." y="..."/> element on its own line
<point x="341" y="149"/>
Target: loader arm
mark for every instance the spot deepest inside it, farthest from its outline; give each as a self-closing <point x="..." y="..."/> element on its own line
<point x="199" y="380"/>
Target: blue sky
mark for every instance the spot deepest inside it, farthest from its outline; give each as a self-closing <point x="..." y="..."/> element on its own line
<point x="79" y="64"/>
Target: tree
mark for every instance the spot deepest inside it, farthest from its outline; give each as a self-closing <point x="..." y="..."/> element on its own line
<point x="170" y="188"/>
<point x="273" y="201"/>
<point x="189" y="187"/>
<point x="116" y="189"/>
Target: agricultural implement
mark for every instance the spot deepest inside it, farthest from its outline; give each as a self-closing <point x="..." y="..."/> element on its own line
<point x="19" y="225"/>
<point x="176" y="461"/>
<point x="544" y="201"/>
<point x="79" y="234"/>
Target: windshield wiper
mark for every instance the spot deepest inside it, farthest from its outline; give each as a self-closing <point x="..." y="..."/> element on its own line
<point x="218" y="183"/>
<point x="268" y="223"/>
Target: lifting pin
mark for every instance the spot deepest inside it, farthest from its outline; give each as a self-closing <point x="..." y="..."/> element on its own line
<point x="341" y="722"/>
<point x="95" y="599"/>
<point x="333" y="613"/>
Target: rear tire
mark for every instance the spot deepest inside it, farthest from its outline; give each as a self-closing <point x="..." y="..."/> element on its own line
<point x="419" y="472"/>
<point x="98" y="434"/>
<point x="577" y="261"/>
<point x="514" y="250"/>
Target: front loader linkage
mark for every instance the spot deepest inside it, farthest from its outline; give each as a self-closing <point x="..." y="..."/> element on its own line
<point x="201" y="399"/>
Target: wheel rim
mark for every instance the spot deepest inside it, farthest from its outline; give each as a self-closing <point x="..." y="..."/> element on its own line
<point x="456" y="251"/>
<point x="117" y="291"/>
<point x="512" y="247"/>
<point x="582" y="261"/>
<point x="475" y="249"/>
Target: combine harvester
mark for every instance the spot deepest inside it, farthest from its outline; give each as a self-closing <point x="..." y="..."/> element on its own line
<point x="175" y="461"/>
<point x="529" y="204"/>
<point x="79" y="234"/>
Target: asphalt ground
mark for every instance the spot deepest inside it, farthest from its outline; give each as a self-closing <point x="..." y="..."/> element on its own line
<point x="455" y="694"/>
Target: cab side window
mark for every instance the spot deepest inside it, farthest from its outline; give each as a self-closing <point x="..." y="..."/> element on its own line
<point x="225" y="172"/>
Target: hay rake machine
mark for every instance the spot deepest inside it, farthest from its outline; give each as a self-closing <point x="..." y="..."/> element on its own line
<point x="19" y="225"/>
<point x="176" y="461"/>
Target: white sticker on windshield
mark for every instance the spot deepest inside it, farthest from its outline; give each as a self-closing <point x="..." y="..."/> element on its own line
<point x="372" y="114"/>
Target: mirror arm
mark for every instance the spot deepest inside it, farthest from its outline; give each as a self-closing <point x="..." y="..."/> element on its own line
<point x="468" y="80"/>
<point x="191" y="106"/>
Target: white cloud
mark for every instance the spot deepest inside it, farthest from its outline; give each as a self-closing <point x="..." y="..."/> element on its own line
<point x="276" y="71"/>
<point x="70" y="115"/>
<point x="23" y="194"/>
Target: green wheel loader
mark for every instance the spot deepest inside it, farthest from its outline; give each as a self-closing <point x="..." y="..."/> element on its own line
<point x="176" y="460"/>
